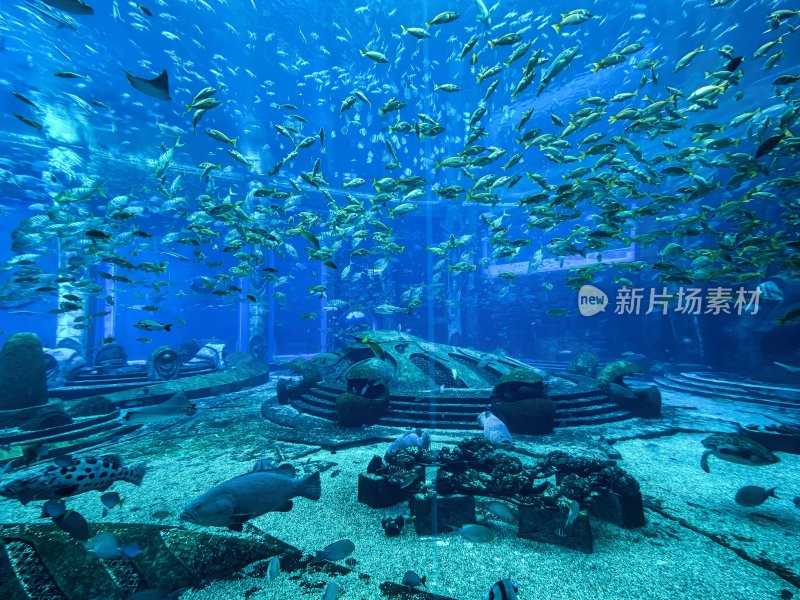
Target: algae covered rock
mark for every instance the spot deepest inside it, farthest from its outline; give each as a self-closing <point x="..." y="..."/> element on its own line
<point x="353" y="410"/>
<point x="22" y="372"/>
<point x="532" y="415"/>
<point x="518" y="385"/>
<point x="370" y="378"/>
<point x="287" y="390"/>
<point x="614" y="372"/>
<point x="648" y="402"/>
<point x="93" y="406"/>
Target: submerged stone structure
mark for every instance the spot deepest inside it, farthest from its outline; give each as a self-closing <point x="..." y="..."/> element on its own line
<point x="396" y="379"/>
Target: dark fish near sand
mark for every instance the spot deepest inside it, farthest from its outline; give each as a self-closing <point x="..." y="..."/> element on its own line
<point x="736" y="449"/>
<point x="82" y="475"/>
<point x="754" y="495"/>
<point x="157" y="88"/>
<point x="411" y="579"/>
<point x="267" y="488"/>
<point x="336" y="551"/>
<point x="73" y="523"/>
<point x="505" y="589"/>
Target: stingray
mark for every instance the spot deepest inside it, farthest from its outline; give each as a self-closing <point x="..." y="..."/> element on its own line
<point x="156" y="88"/>
<point x="76" y="7"/>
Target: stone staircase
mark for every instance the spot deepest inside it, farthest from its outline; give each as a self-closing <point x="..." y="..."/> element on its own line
<point x="732" y="387"/>
<point x="459" y="409"/>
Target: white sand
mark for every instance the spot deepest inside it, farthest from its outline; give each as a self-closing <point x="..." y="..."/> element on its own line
<point x="661" y="560"/>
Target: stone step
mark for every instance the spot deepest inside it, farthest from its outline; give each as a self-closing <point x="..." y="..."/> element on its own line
<point x="80" y="424"/>
<point x="681" y="384"/>
<point x="620" y="415"/>
<point x="749" y="388"/>
<point x="41" y="437"/>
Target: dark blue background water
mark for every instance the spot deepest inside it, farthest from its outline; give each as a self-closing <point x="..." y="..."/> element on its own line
<point x="307" y="54"/>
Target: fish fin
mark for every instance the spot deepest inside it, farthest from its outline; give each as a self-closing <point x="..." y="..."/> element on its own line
<point x="25" y="496"/>
<point x="285" y="507"/>
<point x="704" y="461"/>
<point x="136" y="474"/>
<point x="237" y="521"/>
<point x="114" y="459"/>
<point x="168" y="326"/>
<point x="64" y="460"/>
<point x="311" y="487"/>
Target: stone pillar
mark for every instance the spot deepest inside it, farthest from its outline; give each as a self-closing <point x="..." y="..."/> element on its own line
<point x="22" y="372"/>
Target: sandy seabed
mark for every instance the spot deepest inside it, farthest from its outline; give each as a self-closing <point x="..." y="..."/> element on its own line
<point x="662" y="560"/>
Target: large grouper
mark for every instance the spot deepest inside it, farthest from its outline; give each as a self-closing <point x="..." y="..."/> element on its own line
<point x="267" y="488"/>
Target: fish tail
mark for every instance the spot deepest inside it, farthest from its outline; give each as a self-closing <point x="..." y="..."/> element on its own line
<point x="311" y="487"/>
<point x="704" y="461"/>
<point x="135" y="474"/>
<point x="167" y="327"/>
<point x="404" y="28"/>
<point x="772" y="492"/>
<point x="233" y="141"/>
<point x="557" y="27"/>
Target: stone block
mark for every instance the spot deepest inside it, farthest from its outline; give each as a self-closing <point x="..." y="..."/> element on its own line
<point x="548" y="525"/>
<point x="625" y="510"/>
<point x="436" y="514"/>
<point x="378" y="492"/>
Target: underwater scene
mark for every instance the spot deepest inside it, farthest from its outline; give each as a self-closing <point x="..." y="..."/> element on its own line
<point x="444" y="299"/>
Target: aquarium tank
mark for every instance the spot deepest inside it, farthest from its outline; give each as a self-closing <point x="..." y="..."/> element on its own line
<point x="443" y="299"/>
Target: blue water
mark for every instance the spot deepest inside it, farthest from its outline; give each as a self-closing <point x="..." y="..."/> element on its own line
<point x="259" y="55"/>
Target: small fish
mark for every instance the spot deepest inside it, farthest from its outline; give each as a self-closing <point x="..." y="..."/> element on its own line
<point x="150" y="325"/>
<point x="411" y="579"/>
<point x="494" y="429"/>
<point x="475" y="533"/>
<point x="336" y="551"/>
<point x="754" y="495"/>
<point x="574" y="511"/>
<point x="505" y="589"/>
<point x="108" y="547"/>
<point x="111" y="499"/>
<point x="332" y="591"/>
<point x="53" y="508"/>
<point x="273" y="569"/>
<point x="74" y="524"/>
<point x="500" y="510"/>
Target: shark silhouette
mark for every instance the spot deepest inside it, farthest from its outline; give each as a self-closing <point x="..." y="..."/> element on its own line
<point x="155" y="88"/>
<point x="76" y="7"/>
